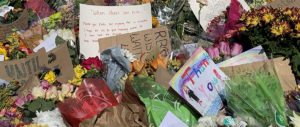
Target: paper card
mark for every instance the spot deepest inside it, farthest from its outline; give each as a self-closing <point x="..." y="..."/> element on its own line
<point x="139" y="43"/>
<point x="105" y="21"/>
<point x="1" y="57"/>
<point x="285" y="4"/>
<point x="253" y="55"/>
<point x="214" y="9"/>
<point x="48" y="44"/>
<point x="22" y="69"/>
<point x="171" y="120"/>
<point x="199" y="82"/>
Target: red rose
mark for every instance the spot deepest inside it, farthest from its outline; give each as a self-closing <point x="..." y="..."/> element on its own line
<point x="92" y="62"/>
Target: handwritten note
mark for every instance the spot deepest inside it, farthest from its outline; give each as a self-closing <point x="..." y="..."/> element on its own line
<point x="200" y="82"/>
<point x="105" y="21"/>
<point x="171" y="120"/>
<point x="48" y="44"/>
<point x="140" y="43"/>
<point x="214" y="9"/>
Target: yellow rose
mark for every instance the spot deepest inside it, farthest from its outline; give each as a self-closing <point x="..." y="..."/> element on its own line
<point x="38" y="92"/>
<point x="50" y="77"/>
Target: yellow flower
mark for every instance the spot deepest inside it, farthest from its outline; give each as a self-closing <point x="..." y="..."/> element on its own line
<point x="50" y="77"/>
<point x="3" y="52"/>
<point x="76" y="81"/>
<point x="243" y="28"/>
<point x="287" y="12"/>
<point x="248" y="21"/>
<point x="286" y="27"/>
<point x="277" y="30"/>
<point x="16" y="121"/>
<point x="294" y="17"/>
<point x="79" y="71"/>
<point x="268" y="17"/>
<point x="243" y="17"/>
<point x="255" y="21"/>
<point x="154" y="21"/>
<point x="297" y="27"/>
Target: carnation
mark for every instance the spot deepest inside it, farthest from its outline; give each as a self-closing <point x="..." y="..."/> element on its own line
<point x="50" y="118"/>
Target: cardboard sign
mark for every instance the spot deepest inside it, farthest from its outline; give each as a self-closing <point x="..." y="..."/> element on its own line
<point x="22" y="69"/>
<point x="26" y="88"/>
<point x="62" y="62"/>
<point x="171" y="120"/>
<point x="139" y="43"/>
<point x="214" y="9"/>
<point x="285" y="4"/>
<point x="252" y="55"/>
<point x="21" y="23"/>
<point x="105" y="21"/>
<point x="199" y="82"/>
<point x="282" y="69"/>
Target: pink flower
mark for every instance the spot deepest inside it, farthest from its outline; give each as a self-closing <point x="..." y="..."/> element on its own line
<point x="41" y="7"/>
<point x="29" y="97"/>
<point x="224" y="48"/>
<point x="20" y="102"/>
<point x="45" y="85"/>
<point x="92" y="62"/>
<point x="213" y="52"/>
<point x="236" y="49"/>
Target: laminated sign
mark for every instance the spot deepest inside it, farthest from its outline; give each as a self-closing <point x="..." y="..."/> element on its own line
<point x="141" y="43"/>
<point x="106" y="21"/>
<point x="199" y="82"/>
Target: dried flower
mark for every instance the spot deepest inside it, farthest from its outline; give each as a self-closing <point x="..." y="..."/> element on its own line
<point x="50" y="77"/>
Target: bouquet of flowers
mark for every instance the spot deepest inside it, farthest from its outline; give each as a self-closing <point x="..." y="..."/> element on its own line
<point x="277" y="30"/>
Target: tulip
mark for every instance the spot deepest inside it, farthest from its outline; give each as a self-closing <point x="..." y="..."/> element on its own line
<point x="236" y="49"/>
<point x="224" y="48"/>
<point x="213" y="52"/>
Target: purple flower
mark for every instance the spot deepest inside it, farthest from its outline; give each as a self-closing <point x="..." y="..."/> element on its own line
<point x="236" y="49"/>
<point x="213" y="52"/>
<point x="5" y="123"/>
<point x="224" y="48"/>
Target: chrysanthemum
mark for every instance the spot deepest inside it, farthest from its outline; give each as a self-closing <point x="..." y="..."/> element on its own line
<point x="277" y="30"/>
<point x="268" y="17"/>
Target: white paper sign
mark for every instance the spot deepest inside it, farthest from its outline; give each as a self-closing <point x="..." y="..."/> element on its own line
<point x="105" y="21"/>
<point x="1" y="57"/>
<point x="214" y="9"/>
<point x="48" y="44"/>
<point x="171" y="120"/>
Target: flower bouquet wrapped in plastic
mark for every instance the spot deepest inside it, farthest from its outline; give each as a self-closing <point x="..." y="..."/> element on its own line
<point x="159" y="101"/>
<point x="255" y="95"/>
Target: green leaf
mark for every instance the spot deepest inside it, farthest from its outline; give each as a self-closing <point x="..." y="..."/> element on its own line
<point x="34" y="106"/>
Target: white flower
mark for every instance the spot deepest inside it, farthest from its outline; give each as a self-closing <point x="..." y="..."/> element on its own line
<point x="38" y="92"/>
<point x="50" y="118"/>
<point x="127" y="54"/>
<point x="51" y="93"/>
